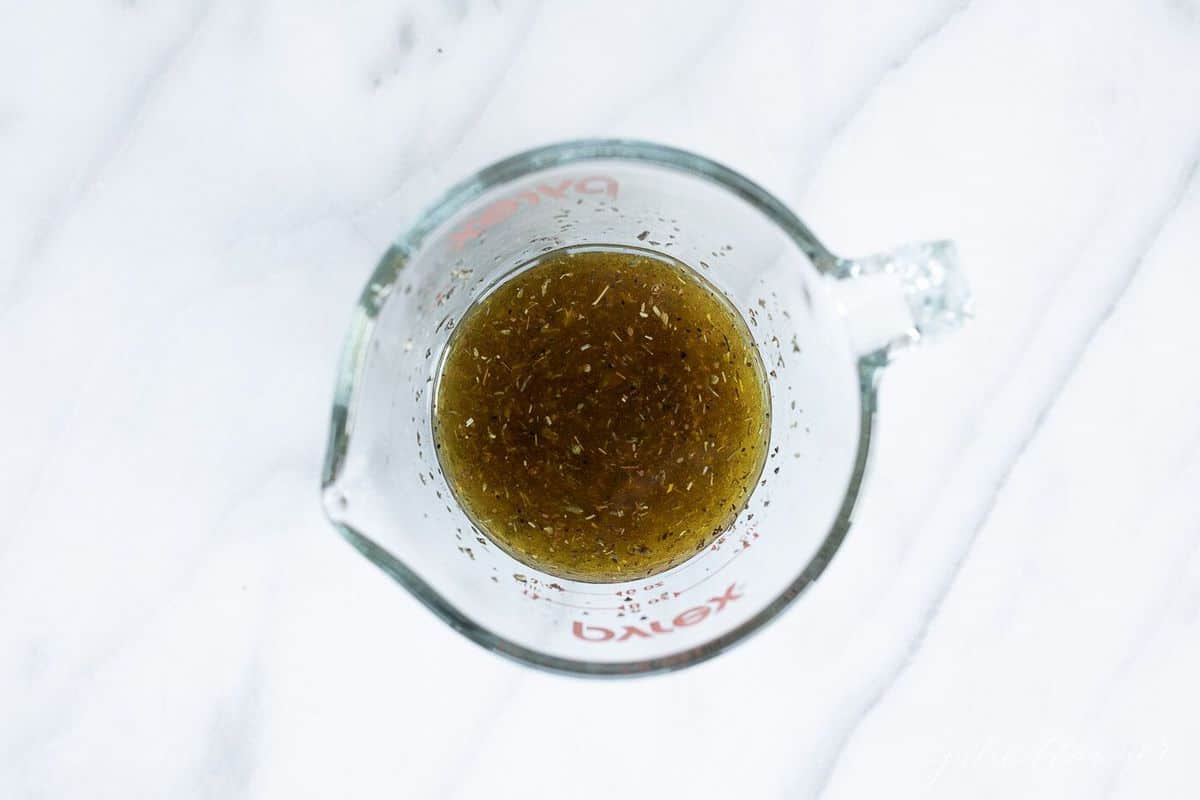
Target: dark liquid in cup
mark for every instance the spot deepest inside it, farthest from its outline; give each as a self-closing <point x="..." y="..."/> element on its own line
<point x="603" y="414"/>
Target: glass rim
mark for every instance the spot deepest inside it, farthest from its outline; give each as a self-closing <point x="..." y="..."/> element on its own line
<point x="361" y="331"/>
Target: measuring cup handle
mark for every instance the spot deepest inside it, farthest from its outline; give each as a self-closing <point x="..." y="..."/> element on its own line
<point x="890" y="301"/>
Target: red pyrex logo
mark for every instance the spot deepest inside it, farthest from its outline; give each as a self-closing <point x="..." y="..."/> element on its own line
<point x="597" y="633"/>
<point x="505" y="207"/>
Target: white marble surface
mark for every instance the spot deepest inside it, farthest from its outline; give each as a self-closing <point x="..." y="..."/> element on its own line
<point x="193" y="193"/>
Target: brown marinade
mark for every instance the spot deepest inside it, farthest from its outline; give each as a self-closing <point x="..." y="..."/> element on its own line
<point x="603" y="414"/>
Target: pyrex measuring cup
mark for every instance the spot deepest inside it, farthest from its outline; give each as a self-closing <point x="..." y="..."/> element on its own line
<point x="825" y="328"/>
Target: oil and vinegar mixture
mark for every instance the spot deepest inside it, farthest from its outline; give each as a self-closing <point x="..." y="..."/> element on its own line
<point x="603" y="414"/>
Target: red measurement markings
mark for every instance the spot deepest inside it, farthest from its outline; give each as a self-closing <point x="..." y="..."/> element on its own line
<point x="506" y="207"/>
<point x="692" y="616"/>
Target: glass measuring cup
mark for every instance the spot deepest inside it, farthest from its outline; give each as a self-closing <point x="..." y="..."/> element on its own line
<point x="825" y="328"/>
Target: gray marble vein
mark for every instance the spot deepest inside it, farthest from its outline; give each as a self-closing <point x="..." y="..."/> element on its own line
<point x="110" y="143"/>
